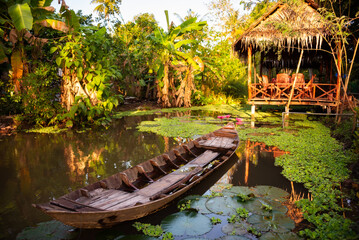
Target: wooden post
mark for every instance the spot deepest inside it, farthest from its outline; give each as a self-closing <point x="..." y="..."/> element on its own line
<point x="254" y="69"/>
<point x="261" y="65"/>
<point x="295" y="80"/>
<point x="339" y="67"/>
<point x="339" y="70"/>
<point x="249" y="71"/>
<point x="253" y="112"/>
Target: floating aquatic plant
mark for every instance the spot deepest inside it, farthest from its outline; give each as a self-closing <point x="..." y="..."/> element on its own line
<point x="187" y="223"/>
<point x="215" y="220"/>
<point x="196" y="202"/>
<point x="149" y="229"/>
<point x="175" y="127"/>
<point x="235" y="190"/>
<point x="224" y="205"/>
<point x="277" y="222"/>
<point x="53" y="230"/>
<point x="237" y="228"/>
<point x="280" y="236"/>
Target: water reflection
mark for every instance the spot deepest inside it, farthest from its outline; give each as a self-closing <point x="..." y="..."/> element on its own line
<point x="35" y="168"/>
<point x="256" y="167"/>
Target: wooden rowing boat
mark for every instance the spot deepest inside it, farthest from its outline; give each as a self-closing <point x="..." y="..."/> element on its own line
<point x="147" y="187"/>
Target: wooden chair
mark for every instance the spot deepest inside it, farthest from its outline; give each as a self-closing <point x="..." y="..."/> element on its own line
<point x="282" y="85"/>
<point x="265" y="82"/>
<point x="308" y="88"/>
<point x="300" y="79"/>
<point x="266" y="89"/>
<point x="283" y="79"/>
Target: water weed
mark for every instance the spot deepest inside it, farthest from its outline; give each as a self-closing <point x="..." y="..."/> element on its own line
<point x="319" y="162"/>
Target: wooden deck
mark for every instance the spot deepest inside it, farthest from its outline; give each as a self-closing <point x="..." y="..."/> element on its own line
<point x="279" y="94"/>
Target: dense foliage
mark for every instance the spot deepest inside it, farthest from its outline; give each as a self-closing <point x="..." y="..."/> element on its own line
<point x="59" y="68"/>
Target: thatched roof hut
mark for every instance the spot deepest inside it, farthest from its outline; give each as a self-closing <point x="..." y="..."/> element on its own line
<point x="284" y="26"/>
<point x="285" y="34"/>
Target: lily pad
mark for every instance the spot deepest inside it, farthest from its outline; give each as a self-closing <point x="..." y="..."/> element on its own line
<point x="271" y="192"/>
<point x="54" y="230"/>
<point x="135" y="237"/>
<point x="197" y="202"/>
<point x="236" y="228"/>
<point x="277" y="222"/>
<point x="220" y="187"/>
<point x="237" y="190"/>
<point x="195" y="239"/>
<point x="223" y="205"/>
<point x="257" y="206"/>
<point x="187" y="223"/>
<point x="279" y="236"/>
<point x="234" y="238"/>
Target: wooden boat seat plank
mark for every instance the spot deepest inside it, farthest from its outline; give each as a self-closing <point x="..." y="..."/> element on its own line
<point x="103" y="193"/>
<point x="134" y="200"/>
<point x="205" y="158"/>
<point x="226" y="143"/>
<point x="218" y="142"/>
<point x="115" y="196"/>
<point x="206" y="142"/>
<point x="161" y="184"/>
<point x="49" y="207"/>
<point x="73" y="206"/>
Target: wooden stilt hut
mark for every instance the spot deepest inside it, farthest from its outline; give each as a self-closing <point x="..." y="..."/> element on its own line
<point x="286" y="61"/>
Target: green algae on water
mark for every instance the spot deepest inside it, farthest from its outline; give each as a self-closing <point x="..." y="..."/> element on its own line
<point x="177" y="127"/>
<point x="48" y="130"/>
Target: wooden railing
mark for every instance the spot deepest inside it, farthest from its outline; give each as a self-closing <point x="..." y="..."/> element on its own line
<point x="281" y="91"/>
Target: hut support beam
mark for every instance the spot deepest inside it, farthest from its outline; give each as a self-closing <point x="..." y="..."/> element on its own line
<point x="339" y="68"/>
<point x="249" y="71"/>
<point x="295" y="79"/>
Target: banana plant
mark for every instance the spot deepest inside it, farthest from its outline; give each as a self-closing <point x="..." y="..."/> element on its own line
<point x="175" y="53"/>
<point x="22" y="22"/>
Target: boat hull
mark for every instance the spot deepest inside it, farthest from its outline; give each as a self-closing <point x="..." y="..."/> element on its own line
<point x="84" y="215"/>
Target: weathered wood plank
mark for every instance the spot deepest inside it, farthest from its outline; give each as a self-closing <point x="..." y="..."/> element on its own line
<point x="204" y="158"/>
<point x="73" y="206"/>
<point x="101" y="193"/>
<point x="206" y="142"/>
<point x="218" y="142"/>
<point x="161" y="184"/>
<point x="116" y="195"/>
<point x="127" y="203"/>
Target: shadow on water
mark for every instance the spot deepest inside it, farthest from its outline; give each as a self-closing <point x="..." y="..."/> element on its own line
<point x="36" y="168"/>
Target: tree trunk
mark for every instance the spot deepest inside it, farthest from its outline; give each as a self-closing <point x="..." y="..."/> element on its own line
<point x="71" y="87"/>
<point x="163" y="93"/>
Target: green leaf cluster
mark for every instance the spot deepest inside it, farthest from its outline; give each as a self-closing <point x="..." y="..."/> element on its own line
<point x="319" y="162"/>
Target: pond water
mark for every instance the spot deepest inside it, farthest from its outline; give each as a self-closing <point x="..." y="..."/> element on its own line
<point x="36" y="168"/>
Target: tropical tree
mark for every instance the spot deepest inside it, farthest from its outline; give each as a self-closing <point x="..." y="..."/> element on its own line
<point x="136" y="57"/>
<point x="176" y="64"/>
<point x="20" y="25"/>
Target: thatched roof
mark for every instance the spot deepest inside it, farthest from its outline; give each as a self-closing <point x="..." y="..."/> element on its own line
<point x="285" y="26"/>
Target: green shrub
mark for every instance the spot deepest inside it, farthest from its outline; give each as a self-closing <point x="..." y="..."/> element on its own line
<point x="40" y="95"/>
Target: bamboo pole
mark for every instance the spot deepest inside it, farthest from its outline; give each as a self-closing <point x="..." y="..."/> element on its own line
<point x="339" y="67"/>
<point x="339" y="70"/>
<point x="249" y="71"/>
<point x="295" y="79"/>
<point x="261" y="65"/>
<point x="254" y="69"/>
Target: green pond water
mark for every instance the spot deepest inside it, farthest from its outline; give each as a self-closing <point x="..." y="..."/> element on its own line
<point x="36" y="168"/>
